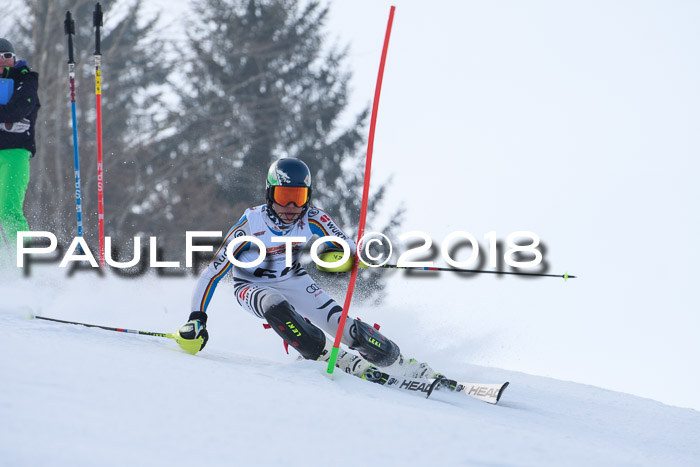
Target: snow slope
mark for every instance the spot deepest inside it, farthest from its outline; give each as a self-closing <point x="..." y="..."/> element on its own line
<point x="71" y="395"/>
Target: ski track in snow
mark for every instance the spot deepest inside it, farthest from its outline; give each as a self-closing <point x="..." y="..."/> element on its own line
<point x="71" y="395"/>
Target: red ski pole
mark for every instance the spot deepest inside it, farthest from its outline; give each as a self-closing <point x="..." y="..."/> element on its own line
<point x="97" y="23"/>
<point x="365" y="196"/>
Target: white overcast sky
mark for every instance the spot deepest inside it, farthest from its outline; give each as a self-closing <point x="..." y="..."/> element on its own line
<point x="576" y="120"/>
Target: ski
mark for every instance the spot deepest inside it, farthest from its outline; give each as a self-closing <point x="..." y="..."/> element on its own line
<point x="486" y="392"/>
<point x="418" y="386"/>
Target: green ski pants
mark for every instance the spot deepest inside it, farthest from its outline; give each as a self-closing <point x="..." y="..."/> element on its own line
<point x="14" y="180"/>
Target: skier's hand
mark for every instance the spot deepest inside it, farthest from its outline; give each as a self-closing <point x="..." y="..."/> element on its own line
<point x="336" y="257"/>
<point x="193" y="336"/>
<point x="16" y="127"/>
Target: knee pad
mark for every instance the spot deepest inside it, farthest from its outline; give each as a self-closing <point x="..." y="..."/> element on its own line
<point x="269" y="300"/>
<point x="373" y="345"/>
<point x="306" y="338"/>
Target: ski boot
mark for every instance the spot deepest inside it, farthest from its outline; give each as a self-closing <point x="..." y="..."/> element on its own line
<point x="410" y="368"/>
<point x="352" y="364"/>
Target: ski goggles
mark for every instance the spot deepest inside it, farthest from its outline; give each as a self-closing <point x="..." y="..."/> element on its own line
<point x="285" y="195"/>
<point x="7" y="55"/>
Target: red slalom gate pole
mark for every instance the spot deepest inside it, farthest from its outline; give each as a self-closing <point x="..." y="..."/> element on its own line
<point x="365" y="197"/>
<point x="97" y="23"/>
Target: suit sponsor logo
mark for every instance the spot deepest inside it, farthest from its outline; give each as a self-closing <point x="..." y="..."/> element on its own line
<point x="335" y="230"/>
<point x="325" y="218"/>
<point x="313" y="212"/>
<point x="219" y="260"/>
<point x="313" y="288"/>
<point x="239" y="233"/>
<point x="281" y="250"/>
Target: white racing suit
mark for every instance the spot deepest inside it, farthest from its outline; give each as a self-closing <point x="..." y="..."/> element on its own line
<point x="272" y="276"/>
<point x="271" y="286"/>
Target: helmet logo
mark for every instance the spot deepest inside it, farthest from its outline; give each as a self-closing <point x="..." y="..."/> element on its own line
<point x="282" y="176"/>
<point x="307" y="180"/>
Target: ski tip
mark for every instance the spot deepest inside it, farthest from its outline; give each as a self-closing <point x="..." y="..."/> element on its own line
<point x="500" y="392"/>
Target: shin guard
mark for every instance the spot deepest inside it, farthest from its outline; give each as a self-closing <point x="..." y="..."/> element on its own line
<point x="306" y="338"/>
<point x="373" y="345"/>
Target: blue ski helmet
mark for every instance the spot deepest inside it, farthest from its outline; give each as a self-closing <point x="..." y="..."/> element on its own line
<point x="288" y="182"/>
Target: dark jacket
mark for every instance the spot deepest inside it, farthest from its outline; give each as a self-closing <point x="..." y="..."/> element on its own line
<point x="24" y="104"/>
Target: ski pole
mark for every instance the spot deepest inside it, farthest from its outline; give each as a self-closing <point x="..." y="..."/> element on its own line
<point x="365" y="196"/>
<point x="130" y="331"/>
<point x="478" y="271"/>
<point x="69" y="28"/>
<point x="97" y="23"/>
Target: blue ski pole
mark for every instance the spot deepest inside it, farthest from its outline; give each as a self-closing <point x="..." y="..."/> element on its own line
<point x="69" y="27"/>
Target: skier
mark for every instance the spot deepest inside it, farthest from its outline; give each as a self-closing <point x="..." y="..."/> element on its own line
<point x="19" y="105"/>
<point x="287" y="297"/>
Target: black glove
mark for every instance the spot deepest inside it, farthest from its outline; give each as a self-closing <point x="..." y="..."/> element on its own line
<point x="193" y="336"/>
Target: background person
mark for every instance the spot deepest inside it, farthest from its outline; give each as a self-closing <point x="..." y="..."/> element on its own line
<point x="17" y="144"/>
